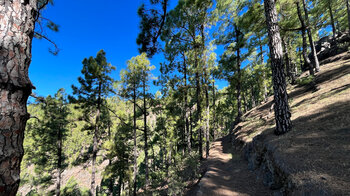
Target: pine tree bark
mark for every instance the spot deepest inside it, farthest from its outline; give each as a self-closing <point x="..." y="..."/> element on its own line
<point x="112" y="180"/>
<point x="282" y="113"/>
<point x="214" y="113"/>
<point x="312" y="45"/>
<point x="239" y="78"/>
<point x="332" y="18"/>
<point x="199" y="113"/>
<point x="207" y="135"/>
<point x="95" y="143"/>
<point x="307" y="62"/>
<point x="17" y="19"/>
<point x="145" y="132"/>
<point x="135" y="147"/>
<point x="287" y="60"/>
<point x="348" y="11"/>
<point x="253" y="98"/>
<point x="261" y="51"/>
<point x="187" y="126"/>
<point x="59" y="163"/>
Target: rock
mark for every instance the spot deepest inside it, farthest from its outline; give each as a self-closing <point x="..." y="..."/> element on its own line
<point x="328" y="46"/>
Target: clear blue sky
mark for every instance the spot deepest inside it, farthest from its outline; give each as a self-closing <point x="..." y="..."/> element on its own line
<point x="86" y="26"/>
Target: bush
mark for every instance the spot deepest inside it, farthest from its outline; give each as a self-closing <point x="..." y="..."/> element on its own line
<point x="305" y="80"/>
<point x="184" y="169"/>
<point x="72" y="189"/>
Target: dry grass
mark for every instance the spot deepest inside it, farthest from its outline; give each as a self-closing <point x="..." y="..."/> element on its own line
<point x="317" y="150"/>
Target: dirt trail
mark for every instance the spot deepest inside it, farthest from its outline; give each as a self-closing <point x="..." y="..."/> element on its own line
<point x="228" y="174"/>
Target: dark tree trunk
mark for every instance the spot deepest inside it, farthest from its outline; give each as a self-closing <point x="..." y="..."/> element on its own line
<point x="111" y="181"/>
<point x="245" y="105"/>
<point x="191" y="126"/>
<point x="120" y="185"/>
<point x="261" y="51"/>
<point x="145" y="132"/>
<point x="282" y="113"/>
<point x="95" y="143"/>
<point x="187" y="126"/>
<point x="312" y="45"/>
<point x="348" y="11"/>
<point x="214" y="113"/>
<point x="332" y="18"/>
<point x="287" y="60"/>
<point x="16" y="34"/>
<point x="59" y="162"/>
<point x="264" y="75"/>
<point x="253" y="98"/>
<point x="239" y="78"/>
<point x="307" y="62"/>
<point x="207" y="120"/>
<point x="135" y="147"/>
<point x="199" y="114"/>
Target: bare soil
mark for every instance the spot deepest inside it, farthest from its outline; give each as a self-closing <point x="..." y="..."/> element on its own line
<point x="228" y="174"/>
<point x="316" y="153"/>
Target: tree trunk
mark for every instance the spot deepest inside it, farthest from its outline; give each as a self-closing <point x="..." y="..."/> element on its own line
<point x="245" y="105"/>
<point x="59" y="163"/>
<point x="135" y="147"/>
<point x="111" y="180"/>
<point x="261" y="52"/>
<point x="287" y="59"/>
<point x="17" y="20"/>
<point x="282" y="113"/>
<point x="187" y="126"/>
<point x="312" y="45"/>
<point x="239" y="78"/>
<point x="307" y="62"/>
<point x="348" y="10"/>
<point x="199" y="113"/>
<point x="191" y="126"/>
<point x="145" y="132"/>
<point x="207" y="120"/>
<point x="265" y="90"/>
<point x="120" y="184"/>
<point x="94" y="155"/>
<point x="332" y="18"/>
<point x="253" y="98"/>
<point x="214" y="113"/>
<point x="95" y="143"/>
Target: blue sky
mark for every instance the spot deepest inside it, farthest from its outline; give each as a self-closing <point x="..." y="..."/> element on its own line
<point x="86" y="26"/>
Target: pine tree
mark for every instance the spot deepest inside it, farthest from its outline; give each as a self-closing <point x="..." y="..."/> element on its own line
<point x="152" y="24"/>
<point x="138" y="69"/>
<point x="309" y="33"/>
<point x="49" y="136"/>
<point x="95" y="86"/>
<point x="281" y="107"/>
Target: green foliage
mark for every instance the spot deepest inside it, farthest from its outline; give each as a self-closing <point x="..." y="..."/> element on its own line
<point x="186" y="168"/>
<point x="151" y="25"/>
<point x="305" y="80"/>
<point x="47" y="131"/>
<point x="72" y="189"/>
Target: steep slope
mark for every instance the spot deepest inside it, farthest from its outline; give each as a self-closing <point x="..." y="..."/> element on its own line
<point x="313" y="158"/>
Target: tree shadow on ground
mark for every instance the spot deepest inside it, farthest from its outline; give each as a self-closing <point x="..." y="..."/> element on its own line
<point x="321" y="142"/>
<point x="327" y="94"/>
<point x="327" y="76"/>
